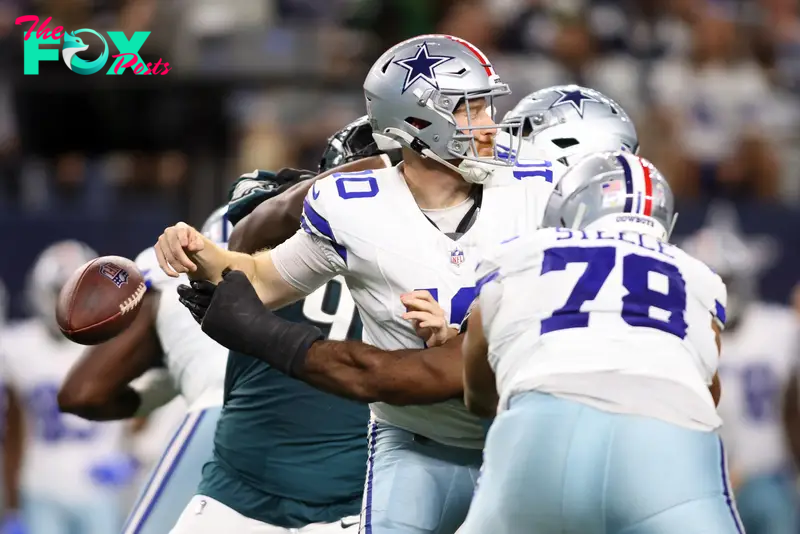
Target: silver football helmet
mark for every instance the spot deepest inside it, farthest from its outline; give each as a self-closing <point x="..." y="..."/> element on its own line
<point x="616" y="189"/>
<point x="570" y="121"/>
<point x="217" y="227"/>
<point x="414" y="88"/>
<point x="50" y="272"/>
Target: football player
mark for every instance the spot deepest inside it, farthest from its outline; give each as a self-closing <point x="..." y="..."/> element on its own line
<point x="599" y="340"/>
<point x="404" y="237"/>
<point x="260" y="442"/>
<point x="286" y="454"/>
<point x="369" y="227"/>
<point x="759" y="356"/>
<point x="56" y="466"/>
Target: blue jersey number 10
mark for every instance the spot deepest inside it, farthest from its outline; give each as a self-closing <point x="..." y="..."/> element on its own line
<point x="459" y="303"/>
<point x="636" y="305"/>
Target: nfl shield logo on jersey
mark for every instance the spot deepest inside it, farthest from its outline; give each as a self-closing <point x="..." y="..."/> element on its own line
<point x="457" y="256"/>
<point x="115" y="274"/>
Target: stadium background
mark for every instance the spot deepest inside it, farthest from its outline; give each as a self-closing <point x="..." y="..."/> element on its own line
<point x="713" y="87"/>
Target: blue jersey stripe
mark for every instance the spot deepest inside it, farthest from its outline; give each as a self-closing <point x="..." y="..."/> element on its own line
<point x="317" y="221"/>
<point x="719" y="311"/>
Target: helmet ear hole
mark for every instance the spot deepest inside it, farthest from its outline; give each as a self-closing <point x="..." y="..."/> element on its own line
<point x="527" y="127"/>
<point x="565" y="142"/>
<point x="419" y="124"/>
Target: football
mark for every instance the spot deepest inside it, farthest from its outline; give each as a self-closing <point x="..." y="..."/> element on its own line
<point x="100" y="300"/>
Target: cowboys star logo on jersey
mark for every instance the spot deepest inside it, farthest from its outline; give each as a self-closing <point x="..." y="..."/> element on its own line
<point x="421" y="67"/>
<point x="575" y="98"/>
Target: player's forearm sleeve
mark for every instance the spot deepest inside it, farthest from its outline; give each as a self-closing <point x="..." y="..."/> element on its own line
<point x="304" y="262"/>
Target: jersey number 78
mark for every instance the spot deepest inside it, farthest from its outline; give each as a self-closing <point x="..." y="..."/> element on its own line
<point x="636" y="278"/>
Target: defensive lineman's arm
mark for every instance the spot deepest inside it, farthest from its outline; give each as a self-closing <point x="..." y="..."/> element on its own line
<point x="232" y="314"/>
<point x="98" y="386"/>
<point x="368" y="374"/>
<point x="276" y="219"/>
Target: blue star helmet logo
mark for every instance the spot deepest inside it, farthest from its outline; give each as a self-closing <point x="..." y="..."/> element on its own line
<point x="421" y="67"/>
<point x="574" y="98"/>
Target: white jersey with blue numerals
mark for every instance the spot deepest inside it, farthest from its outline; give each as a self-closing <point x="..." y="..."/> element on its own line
<point x="60" y="449"/>
<point x="560" y="303"/>
<point x="758" y="359"/>
<point x="195" y="361"/>
<point x="371" y="230"/>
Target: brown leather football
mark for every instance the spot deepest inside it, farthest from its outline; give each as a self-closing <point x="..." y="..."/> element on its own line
<point x="100" y="300"/>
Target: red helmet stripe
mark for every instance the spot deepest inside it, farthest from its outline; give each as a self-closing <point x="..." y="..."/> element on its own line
<point x="648" y="190"/>
<point x="475" y="52"/>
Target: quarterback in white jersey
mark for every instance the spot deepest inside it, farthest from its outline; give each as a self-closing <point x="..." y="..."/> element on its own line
<point x="599" y="343"/>
<point x="759" y="358"/>
<point x="418" y="226"/>
<point x="62" y="458"/>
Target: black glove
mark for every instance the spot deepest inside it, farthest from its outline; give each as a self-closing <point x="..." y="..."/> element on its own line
<point x="237" y="319"/>
<point x="197" y="297"/>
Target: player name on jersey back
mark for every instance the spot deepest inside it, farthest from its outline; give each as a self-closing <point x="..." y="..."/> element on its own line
<point x="561" y="302"/>
<point x="385" y="246"/>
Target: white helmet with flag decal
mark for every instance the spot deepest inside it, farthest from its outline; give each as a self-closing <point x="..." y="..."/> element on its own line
<point x="413" y="90"/>
<point x="613" y="189"/>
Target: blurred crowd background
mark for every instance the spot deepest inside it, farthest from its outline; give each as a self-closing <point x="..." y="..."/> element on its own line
<point x="713" y="87"/>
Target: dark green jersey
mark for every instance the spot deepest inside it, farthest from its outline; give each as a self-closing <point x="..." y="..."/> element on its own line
<point x="286" y="453"/>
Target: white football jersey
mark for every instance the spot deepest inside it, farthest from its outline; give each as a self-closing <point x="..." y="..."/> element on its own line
<point x="195" y="361"/>
<point x="559" y="303"/>
<point x="379" y="239"/>
<point x="60" y="449"/>
<point x="758" y="358"/>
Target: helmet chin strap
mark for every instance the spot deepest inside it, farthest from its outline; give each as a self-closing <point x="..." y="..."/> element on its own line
<point x="576" y="224"/>
<point x="672" y="226"/>
<point x="472" y="171"/>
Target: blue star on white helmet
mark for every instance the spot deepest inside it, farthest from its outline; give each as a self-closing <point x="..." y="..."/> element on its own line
<point x="421" y="67"/>
<point x="575" y="98"/>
